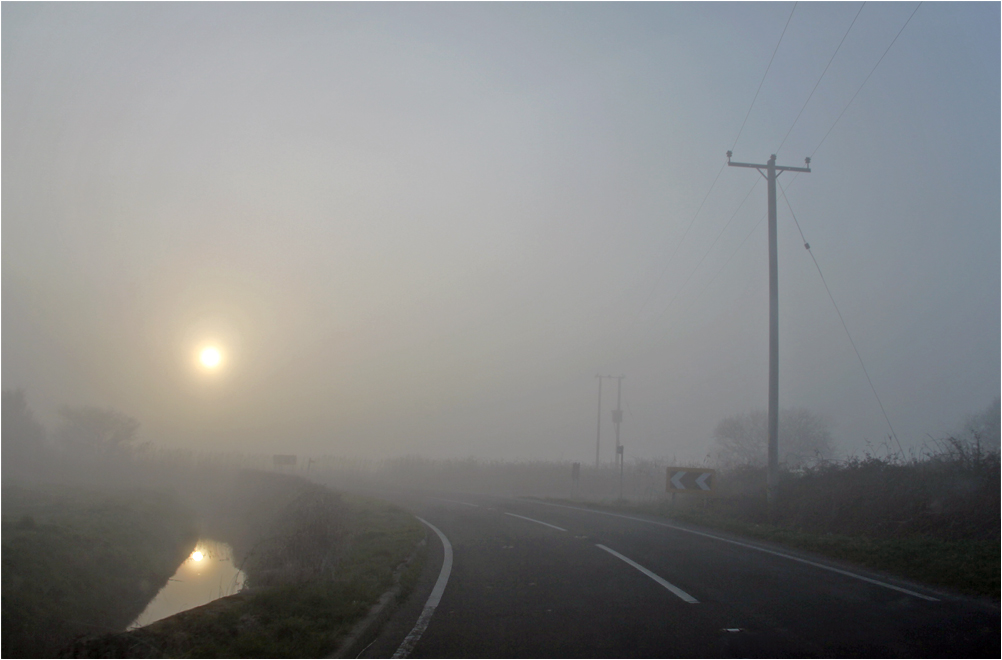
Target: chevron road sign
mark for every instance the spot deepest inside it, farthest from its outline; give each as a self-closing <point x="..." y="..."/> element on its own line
<point x="691" y="480"/>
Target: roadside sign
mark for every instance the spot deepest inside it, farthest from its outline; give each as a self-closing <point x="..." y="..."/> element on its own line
<point x="691" y="480"/>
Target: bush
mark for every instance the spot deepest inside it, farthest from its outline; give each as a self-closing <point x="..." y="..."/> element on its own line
<point x="943" y="496"/>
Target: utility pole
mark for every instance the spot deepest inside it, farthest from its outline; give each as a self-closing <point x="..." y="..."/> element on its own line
<point x="598" y="436"/>
<point x="772" y="171"/>
<point x="617" y="415"/>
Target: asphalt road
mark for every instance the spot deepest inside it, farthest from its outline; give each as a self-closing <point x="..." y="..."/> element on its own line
<point x="532" y="579"/>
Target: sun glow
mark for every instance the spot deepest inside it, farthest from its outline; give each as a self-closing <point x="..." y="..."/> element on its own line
<point x="210" y="357"/>
<point x="197" y="556"/>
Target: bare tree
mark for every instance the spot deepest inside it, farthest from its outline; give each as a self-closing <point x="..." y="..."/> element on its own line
<point x="983" y="428"/>
<point x="97" y="429"/>
<point x="22" y="434"/>
<point x="804" y="438"/>
<point x="977" y="441"/>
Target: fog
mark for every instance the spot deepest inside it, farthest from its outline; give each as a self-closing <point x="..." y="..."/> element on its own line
<point x="424" y="229"/>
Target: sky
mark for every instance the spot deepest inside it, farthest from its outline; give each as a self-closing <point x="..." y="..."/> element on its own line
<point x="425" y="228"/>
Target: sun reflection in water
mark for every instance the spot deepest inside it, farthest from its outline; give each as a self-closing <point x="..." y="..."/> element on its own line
<point x="206" y="574"/>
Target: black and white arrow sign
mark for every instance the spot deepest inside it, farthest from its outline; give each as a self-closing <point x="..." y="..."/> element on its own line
<point x="691" y="480"/>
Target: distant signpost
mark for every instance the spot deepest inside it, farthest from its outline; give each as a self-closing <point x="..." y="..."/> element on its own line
<point x="697" y="481"/>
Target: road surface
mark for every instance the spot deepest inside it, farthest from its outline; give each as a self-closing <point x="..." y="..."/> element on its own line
<point x="537" y="579"/>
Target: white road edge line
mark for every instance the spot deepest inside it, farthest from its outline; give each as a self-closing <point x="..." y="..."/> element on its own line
<point x="754" y="547"/>
<point x="657" y="578"/>
<point x="407" y="646"/>
<point x="442" y="499"/>
<point x="515" y="515"/>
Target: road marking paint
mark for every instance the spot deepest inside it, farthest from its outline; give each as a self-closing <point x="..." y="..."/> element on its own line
<point x="657" y="578"/>
<point x="407" y="646"/>
<point x="515" y="515"/>
<point x="442" y="499"/>
<point x="752" y="547"/>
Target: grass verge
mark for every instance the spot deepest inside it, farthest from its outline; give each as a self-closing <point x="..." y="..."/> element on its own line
<point x="79" y="561"/>
<point x="290" y="611"/>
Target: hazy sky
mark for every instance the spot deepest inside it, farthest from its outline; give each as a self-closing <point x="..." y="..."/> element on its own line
<point x="424" y="228"/>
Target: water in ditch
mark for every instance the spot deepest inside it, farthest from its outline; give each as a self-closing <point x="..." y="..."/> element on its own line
<point x="207" y="574"/>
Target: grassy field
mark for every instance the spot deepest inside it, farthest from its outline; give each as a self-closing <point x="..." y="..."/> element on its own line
<point x="80" y="561"/>
<point x="316" y="561"/>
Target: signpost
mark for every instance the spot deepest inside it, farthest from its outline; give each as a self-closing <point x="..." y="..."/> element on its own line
<point x="619" y="455"/>
<point x="695" y="481"/>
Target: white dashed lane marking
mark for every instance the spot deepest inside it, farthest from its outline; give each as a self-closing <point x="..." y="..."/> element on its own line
<point x="538" y="522"/>
<point x="654" y="576"/>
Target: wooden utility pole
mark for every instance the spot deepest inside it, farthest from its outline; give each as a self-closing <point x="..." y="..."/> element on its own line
<point x="772" y="171"/>
<point x="598" y="435"/>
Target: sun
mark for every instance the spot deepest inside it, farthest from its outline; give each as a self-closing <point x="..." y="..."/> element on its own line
<point x="210" y="357"/>
<point x="197" y="556"/>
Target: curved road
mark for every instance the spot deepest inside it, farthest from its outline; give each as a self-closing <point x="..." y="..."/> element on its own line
<point x="535" y="579"/>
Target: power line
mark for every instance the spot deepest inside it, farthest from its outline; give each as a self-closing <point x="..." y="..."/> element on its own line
<point x="708" y="250"/>
<point x="774" y="50"/>
<point x="811" y="95"/>
<point x="754" y="229"/>
<point x="859" y="357"/>
<point x="664" y="270"/>
<point x="733" y="254"/>
<point x="866" y="79"/>
<point x="738" y="248"/>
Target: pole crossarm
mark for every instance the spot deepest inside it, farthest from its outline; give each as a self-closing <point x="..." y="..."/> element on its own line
<point x="778" y="168"/>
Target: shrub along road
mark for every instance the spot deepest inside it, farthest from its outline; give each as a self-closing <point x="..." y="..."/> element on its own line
<point x="539" y="579"/>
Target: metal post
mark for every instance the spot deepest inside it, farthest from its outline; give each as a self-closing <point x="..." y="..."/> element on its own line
<point x="617" y="417"/>
<point x="620" y="472"/>
<point x="772" y="171"/>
